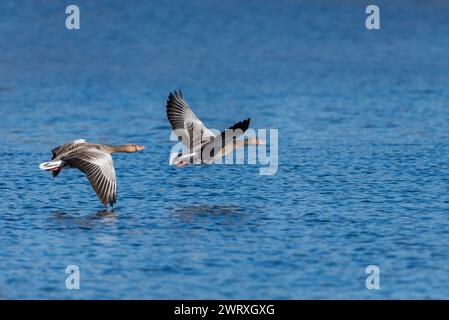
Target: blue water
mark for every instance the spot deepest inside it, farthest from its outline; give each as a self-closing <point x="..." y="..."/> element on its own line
<point x="363" y="149"/>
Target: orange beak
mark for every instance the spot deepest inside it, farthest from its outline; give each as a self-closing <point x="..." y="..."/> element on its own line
<point x="140" y="148"/>
<point x="180" y="165"/>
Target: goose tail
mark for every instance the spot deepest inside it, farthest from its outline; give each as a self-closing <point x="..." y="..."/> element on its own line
<point x="51" y="165"/>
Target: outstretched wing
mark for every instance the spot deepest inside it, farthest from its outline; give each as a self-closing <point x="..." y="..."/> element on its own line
<point x="99" y="169"/>
<point x="190" y="130"/>
<point x="66" y="147"/>
<point x="236" y="130"/>
<point x="224" y="138"/>
<point x="232" y="132"/>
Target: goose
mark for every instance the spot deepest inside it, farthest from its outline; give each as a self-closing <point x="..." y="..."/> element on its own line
<point x="203" y="146"/>
<point x="94" y="160"/>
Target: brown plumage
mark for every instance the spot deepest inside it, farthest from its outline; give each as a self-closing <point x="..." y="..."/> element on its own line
<point x="197" y="138"/>
<point x="94" y="160"/>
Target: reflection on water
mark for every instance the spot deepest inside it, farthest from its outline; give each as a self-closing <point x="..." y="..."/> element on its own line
<point x="207" y="210"/>
<point x="213" y="214"/>
<point x="84" y="221"/>
<point x="362" y="147"/>
<point x="106" y="214"/>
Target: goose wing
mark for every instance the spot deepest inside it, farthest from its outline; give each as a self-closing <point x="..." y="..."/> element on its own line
<point x="230" y="134"/>
<point x="67" y="147"/>
<point x="99" y="169"/>
<point x="190" y="130"/>
<point x="234" y="131"/>
<point x="216" y="147"/>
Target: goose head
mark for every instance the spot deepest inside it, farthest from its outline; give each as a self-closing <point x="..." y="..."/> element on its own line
<point x="127" y="148"/>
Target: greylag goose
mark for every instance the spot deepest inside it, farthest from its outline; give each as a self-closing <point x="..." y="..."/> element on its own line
<point x="94" y="160"/>
<point x="203" y="146"/>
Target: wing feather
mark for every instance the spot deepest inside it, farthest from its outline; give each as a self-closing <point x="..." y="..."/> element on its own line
<point x="227" y="136"/>
<point x="67" y="147"/>
<point x="99" y="169"/>
<point x="190" y="130"/>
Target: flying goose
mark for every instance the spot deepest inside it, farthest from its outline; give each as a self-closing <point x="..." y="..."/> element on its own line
<point x="94" y="160"/>
<point x="203" y="146"/>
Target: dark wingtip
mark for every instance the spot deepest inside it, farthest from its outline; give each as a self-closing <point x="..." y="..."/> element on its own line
<point x="242" y="125"/>
<point x="175" y="94"/>
<point x="171" y="97"/>
<point x="55" y="173"/>
<point x="247" y="123"/>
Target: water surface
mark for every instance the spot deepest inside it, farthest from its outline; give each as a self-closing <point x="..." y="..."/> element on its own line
<point x="363" y="149"/>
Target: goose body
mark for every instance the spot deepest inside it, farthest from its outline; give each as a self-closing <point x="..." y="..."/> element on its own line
<point x="198" y="138"/>
<point x="94" y="160"/>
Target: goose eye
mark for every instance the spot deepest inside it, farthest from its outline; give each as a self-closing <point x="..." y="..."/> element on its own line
<point x="179" y="154"/>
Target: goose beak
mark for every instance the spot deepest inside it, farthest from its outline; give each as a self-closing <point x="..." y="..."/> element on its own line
<point x="140" y="148"/>
<point x="181" y="164"/>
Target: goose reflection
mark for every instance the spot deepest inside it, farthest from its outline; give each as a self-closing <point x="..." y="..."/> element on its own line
<point x="205" y="210"/>
<point x="85" y="221"/>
